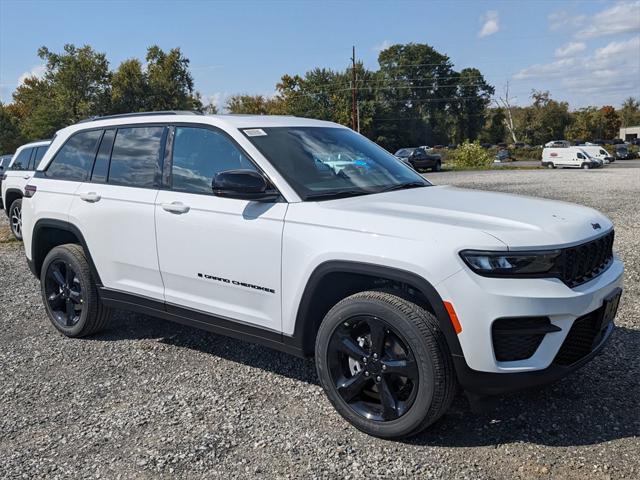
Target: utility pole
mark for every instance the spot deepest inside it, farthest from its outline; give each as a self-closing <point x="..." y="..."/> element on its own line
<point x="354" y="107"/>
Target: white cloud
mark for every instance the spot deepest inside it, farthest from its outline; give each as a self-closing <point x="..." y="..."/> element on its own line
<point x="562" y="18"/>
<point x="623" y="17"/>
<point x="491" y="23"/>
<point x="38" y="71"/>
<point x="383" y="46"/>
<point x="570" y="49"/>
<point x="607" y="73"/>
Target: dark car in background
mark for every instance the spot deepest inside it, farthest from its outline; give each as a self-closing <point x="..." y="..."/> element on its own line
<point x="420" y="158"/>
<point x="4" y="165"/>
<point x="621" y="152"/>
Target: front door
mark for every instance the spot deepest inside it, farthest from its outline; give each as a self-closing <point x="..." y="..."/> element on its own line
<point x="218" y="256"/>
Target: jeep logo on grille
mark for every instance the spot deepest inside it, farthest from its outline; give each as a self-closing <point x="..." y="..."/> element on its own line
<point x="596" y="226"/>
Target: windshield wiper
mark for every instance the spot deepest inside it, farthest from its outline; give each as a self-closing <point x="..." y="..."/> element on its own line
<point x="336" y="194"/>
<point x="403" y="186"/>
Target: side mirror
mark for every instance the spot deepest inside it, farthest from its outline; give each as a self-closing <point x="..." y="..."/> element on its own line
<point x="244" y="185"/>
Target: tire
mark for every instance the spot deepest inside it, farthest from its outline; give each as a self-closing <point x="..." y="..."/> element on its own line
<point x="416" y="403"/>
<point x="437" y="167"/>
<point x="15" y="218"/>
<point x="585" y="166"/>
<point x="550" y="165"/>
<point x="65" y="280"/>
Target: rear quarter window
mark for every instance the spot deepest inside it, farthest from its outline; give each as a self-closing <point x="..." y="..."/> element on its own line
<point x="74" y="160"/>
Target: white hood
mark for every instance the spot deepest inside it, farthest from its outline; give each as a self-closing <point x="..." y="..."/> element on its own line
<point x="517" y="221"/>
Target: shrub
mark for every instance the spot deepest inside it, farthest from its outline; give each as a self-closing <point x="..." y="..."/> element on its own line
<point x="472" y="155"/>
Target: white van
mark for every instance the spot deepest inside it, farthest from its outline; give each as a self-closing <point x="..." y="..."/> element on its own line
<point x="553" y="157"/>
<point x="596" y="151"/>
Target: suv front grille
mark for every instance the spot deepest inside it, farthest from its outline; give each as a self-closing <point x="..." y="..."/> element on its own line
<point x="584" y="262"/>
<point x="581" y="339"/>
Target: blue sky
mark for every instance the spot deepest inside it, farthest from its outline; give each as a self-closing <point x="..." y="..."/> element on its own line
<point x="584" y="52"/>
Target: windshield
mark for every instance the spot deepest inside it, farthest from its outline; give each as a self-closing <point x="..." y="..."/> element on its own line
<point x="326" y="162"/>
<point x="404" y="152"/>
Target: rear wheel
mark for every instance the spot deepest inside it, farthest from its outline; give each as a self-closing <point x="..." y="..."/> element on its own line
<point x="384" y="364"/>
<point x="550" y="165"/>
<point x="70" y="294"/>
<point x="15" y="218"/>
<point x="437" y="167"/>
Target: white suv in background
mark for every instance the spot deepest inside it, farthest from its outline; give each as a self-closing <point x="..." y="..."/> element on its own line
<point x="242" y="225"/>
<point x="14" y="178"/>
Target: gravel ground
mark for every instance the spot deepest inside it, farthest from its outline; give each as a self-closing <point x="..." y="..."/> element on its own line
<point x="150" y="399"/>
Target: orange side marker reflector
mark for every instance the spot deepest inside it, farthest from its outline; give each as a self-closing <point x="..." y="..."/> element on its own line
<point x="453" y="317"/>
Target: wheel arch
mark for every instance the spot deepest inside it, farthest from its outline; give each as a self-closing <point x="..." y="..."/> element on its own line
<point x="49" y="233"/>
<point x="332" y="281"/>
<point x="11" y="195"/>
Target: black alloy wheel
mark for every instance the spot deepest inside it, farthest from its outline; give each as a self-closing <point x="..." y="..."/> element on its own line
<point x="373" y="369"/>
<point x="63" y="292"/>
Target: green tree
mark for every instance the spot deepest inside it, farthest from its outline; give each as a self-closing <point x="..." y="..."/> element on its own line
<point x="10" y="137"/>
<point x="495" y="129"/>
<point x="249" y="104"/>
<point x="630" y="112"/>
<point x="129" y="88"/>
<point x="37" y="109"/>
<point x="473" y="98"/>
<point x="170" y="84"/>
<point x="79" y="79"/>
<point x="609" y="122"/>
<point x="545" y="120"/>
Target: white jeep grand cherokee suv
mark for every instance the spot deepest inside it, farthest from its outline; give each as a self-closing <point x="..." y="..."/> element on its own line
<point x="305" y="236"/>
<point x="14" y="178"/>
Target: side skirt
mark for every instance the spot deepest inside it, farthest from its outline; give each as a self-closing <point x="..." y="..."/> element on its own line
<point x="202" y="320"/>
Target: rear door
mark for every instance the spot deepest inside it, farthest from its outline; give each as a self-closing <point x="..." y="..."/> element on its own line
<point x="218" y="256"/>
<point x="114" y="208"/>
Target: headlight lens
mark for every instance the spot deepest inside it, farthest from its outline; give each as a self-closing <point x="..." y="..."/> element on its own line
<point x="511" y="263"/>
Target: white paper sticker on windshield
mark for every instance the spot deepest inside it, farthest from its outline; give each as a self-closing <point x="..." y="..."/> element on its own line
<point x="255" y="132"/>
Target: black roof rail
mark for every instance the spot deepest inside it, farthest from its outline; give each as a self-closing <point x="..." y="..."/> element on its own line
<point x="142" y="114"/>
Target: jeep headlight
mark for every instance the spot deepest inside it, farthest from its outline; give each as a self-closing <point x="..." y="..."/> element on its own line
<point x="500" y="264"/>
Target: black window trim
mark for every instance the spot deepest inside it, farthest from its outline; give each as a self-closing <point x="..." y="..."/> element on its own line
<point x="166" y="160"/>
<point x="41" y="173"/>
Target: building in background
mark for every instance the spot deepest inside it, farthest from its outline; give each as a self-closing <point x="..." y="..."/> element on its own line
<point x="629" y="133"/>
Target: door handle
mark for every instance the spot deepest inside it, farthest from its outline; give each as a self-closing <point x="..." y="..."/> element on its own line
<point x="175" y="207"/>
<point x="91" y="197"/>
<point x="27" y="177"/>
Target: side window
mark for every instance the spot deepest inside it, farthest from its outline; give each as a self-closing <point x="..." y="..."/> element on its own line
<point x="74" y="160"/>
<point x="580" y="155"/>
<point x="101" y="165"/>
<point x="36" y="157"/>
<point x="135" y="159"/>
<point x="199" y="154"/>
<point x="22" y="160"/>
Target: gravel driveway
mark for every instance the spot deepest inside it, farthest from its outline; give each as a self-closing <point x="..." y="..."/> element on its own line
<point x="150" y="399"/>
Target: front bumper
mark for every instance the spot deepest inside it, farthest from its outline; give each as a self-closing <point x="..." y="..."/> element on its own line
<point x="479" y="301"/>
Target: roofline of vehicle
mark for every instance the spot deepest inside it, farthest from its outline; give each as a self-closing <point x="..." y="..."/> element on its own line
<point x="141" y="114"/>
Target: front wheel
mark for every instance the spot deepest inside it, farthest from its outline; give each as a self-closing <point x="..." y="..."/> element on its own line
<point x="384" y="364"/>
<point x="585" y="166"/>
<point x="437" y="167"/>
<point x="15" y="218"/>
<point x="70" y="294"/>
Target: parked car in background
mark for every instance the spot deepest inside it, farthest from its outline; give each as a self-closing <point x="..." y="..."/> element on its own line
<point x="14" y="179"/>
<point x="4" y="164"/>
<point x="621" y="152"/>
<point x="485" y="145"/>
<point x="420" y="158"/>
<point x="558" y="144"/>
<point x="596" y="151"/>
<point x="572" y="157"/>
<point x="503" y="155"/>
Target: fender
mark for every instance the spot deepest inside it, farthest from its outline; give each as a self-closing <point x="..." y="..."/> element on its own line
<point x="9" y="192"/>
<point x="67" y="227"/>
<point x="303" y="331"/>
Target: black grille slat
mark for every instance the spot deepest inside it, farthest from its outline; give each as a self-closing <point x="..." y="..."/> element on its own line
<point x="585" y="262"/>
<point x="519" y="338"/>
<point x="579" y="341"/>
